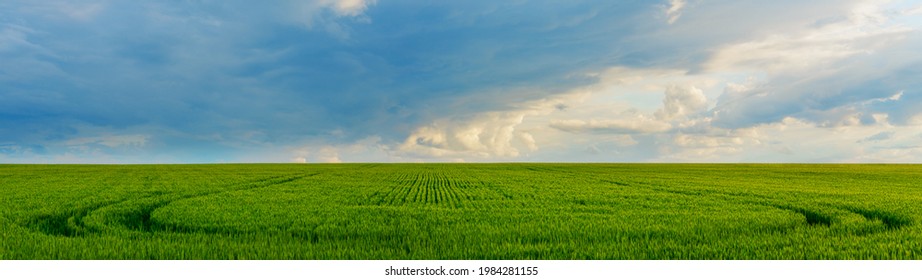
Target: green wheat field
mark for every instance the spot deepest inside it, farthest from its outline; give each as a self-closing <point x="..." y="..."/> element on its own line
<point x="461" y="211"/>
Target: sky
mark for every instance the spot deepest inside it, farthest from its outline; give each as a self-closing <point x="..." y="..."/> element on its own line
<point x="217" y="81"/>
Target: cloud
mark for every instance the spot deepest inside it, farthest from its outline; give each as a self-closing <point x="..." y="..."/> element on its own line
<point x="486" y="135"/>
<point x="307" y="11"/>
<point x="314" y="13"/>
<point x="492" y="135"/>
<point x="682" y="101"/>
<point x="674" y="11"/>
<point x="913" y="11"/>
<point x="821" y="80"/>
<point x="62" y="9"/>
<point x="816" y="48"/>
<point x="13" y="37"/>
<point x="111" y="141"/>
<point x="632" y="123"/>
<point x="877" y="137"/>
<point x="82" y="12"/>
<point x="916" y="119"/>
<point x="18" y="150"/>
<point x="328" y="155"/>
<point x="218" y="71"/>
<point x="909" y="154"/>
<point x="528" y="140"/>
<point x="706" y="141"/>
<point x="352" y="7"/>
<point x="312" y="81"/>
<point x="363" y="150"/>
<point x="678" y="103"/>
<point x="822" y="71"/>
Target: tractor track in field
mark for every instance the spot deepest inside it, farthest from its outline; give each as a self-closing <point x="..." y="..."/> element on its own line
<point x="143" y="217"/>
<point x="891" y="221"/>
<point x="73" y="224"/>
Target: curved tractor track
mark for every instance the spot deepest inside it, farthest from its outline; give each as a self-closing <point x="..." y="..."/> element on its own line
<point x="75" y="223"/>
<point x="891" y="221"/>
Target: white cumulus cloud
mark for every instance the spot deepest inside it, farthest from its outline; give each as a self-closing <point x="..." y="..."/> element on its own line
<point x="486" y="135"/>
<point x="681" y="101"/>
